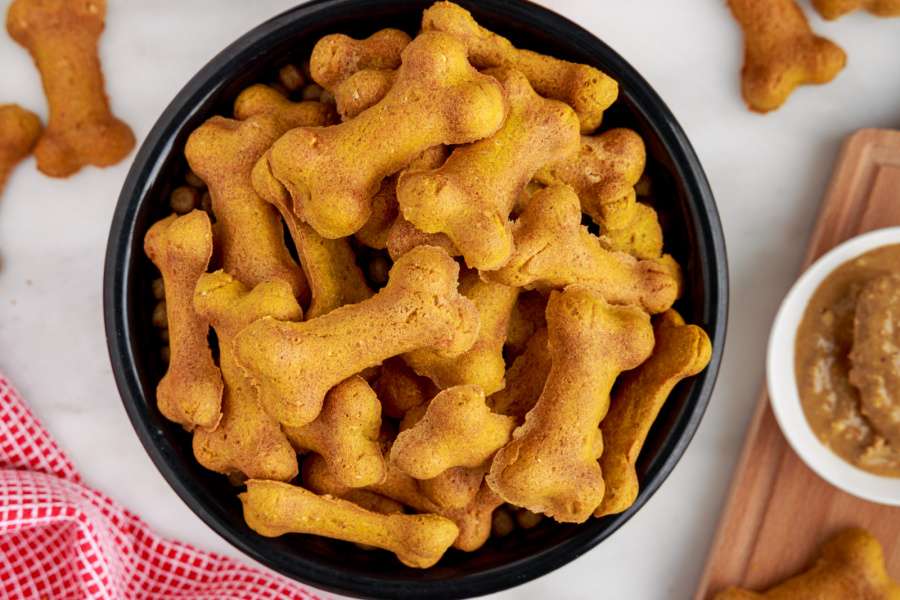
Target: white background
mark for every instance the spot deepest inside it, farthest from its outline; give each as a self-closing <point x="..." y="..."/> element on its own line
<point x="768" y="173"/>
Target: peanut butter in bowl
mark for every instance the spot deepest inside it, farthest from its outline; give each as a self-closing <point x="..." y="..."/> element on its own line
<point x="847" y="361"/>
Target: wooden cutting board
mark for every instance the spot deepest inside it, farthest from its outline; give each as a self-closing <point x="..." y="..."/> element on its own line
<point x="778" y="511"/>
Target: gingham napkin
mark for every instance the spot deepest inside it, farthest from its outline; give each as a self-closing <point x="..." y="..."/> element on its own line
<point x="62" y="540"/>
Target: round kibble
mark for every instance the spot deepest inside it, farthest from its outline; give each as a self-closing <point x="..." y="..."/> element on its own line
<point x="311" y="92"/>
<point x="165" y="354"/>
<point x="159" y="289"/>
<point x="527" y="519"/>
<point x="194" y="180"/>
<point x="159" y="315"/>
<point x="291" y="77"/>
<point x="183" y="199"/>
<point x="378" y="269"/>
<point x="502" y="523"/>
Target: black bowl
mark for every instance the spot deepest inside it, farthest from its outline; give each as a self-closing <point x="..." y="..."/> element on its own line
<point x="693" y="236"/>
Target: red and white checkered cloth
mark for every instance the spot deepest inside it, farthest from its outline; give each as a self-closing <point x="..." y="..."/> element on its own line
<point x="62" y="540"/>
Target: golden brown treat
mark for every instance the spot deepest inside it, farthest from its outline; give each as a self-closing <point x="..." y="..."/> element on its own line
<point x="247" y="440"/>
<point x="19" y="132"/>
<point x="374" y="233"/>
<point x="438" y="98"/>
<point x="525" y="319"/>
<point x="457" y="430"/>
<point x="849" y="565"/>
<point x="346" y="434"/>
<point x="272" y="508"/>
<point x="183" y="199"/>
<point x="337" y="56"/>
<point x="553" y="250"/>
<point x="832" y="9"/>
<point x="603" y="173"/>
<point x="456" y="487"/>
<point x="62" y="36"/>
<point x="259" y="99"/>
<point x="419" y="308"/>
<point x="318" y="478"/>
<point x="400" y="389"/>
<point x="249" y="233"/>
<point x="474" y="520"/>
<point x="527" y="519"/>
<point x="642" y="238"/>
<point x="679" y="351"/>
<point x="483" y="363"/>
<point x="291" y="77"/>
<point x="361" y="90"/>
<point x="190" y="393"/>
<point x="551" y="466"/>
<point x="502" y="523"/>
<point x="403" y="236"/>
<point x="875" y="357"/>
<point x="525" y="379"/>
<point x="781" y="52"/>
<point x="330" y="266"/>
<point x="471" y="196"/>
<point x="584" y="88"/>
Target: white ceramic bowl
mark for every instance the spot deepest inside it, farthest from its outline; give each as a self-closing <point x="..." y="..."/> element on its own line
<point x="782" y="383"/>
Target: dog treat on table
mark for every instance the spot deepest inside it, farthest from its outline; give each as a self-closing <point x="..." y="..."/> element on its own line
<point x="346" y="434"/>
<point x="438" y="98"/>
<point x="337" y="56"/>
<point x="586" y="89"/>
<point x="550" y="466"/>
<point x="419" y="307"/>
<point x="471" y="196"/>
<point x="457" y="430"/>
<point x="553" y="250"/>
<point x="525" y="379"/>
<point x="781" y="52"/>
<point x="259" y="99"/>
<point x="62" y="38"/>
<point x="849" y="565"/>
<point x="19" y="132"/>
<point x="642" y="238"/>
<point x="272" y="508"/>
<point x="400" y="389"/>
<point x="483" y="363"/>
<point x="247" y="440"/>
<point x="679" y="351"/>
<point x="249" y="233"/>
<point x="832" y="9"/>
<point x="190" y="393"/>
<point x="361" y="90"/>
<point x="603" y="173"/>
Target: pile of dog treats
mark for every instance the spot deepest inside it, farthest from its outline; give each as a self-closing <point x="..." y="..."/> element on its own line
<point x="448" y="337"/>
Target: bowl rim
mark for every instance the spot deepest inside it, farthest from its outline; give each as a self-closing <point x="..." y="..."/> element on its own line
<point x="144" y="170"/>
<point x="781" y="379"/>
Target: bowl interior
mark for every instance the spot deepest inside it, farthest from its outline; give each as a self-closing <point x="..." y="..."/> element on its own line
<point x="681" y="195"/>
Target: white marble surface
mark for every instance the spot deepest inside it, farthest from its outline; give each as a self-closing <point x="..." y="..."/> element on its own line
<point x="768" y="174"/>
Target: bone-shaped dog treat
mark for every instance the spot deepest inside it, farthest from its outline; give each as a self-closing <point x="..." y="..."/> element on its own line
<point x="247" y="440"/>
<point x="551" y="466"/>
<point x="781" y="52"/>
<point x="62" y="36"/>
<point x="19" y="132"/>
<point x="642" y="238"/>
<point x="679" y="351"/>
<point x="832" y="9"/>
<point x="438" y="98"/>
<point x="418" y="308"/>
<point x="259" y="99"/>
<point x="403" y="236"/>
<point x="525" y="319"/>
<point x="603" y="173"/>
<point x="483" y="363"/>
<point x="330" y="265"/>
<point x="849" y="565"/>
<point x="361" y="90"/>
<point x="336" y="57"/>
<point x="470" y="197"/>
<point x="272" y="508"/>
<point x="554" y="250"/>
<point x="346" y="433"/>
<point x="586" y="89"/>
<point x="318" y="478"/>
<point x="525" y="379"/>
<point x="458" y="430"/>
<point x="222" y="153"/>
<point x="190" y="393"/>
<point x="456" y="487"/>
<point x="399" y="388"/>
